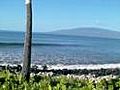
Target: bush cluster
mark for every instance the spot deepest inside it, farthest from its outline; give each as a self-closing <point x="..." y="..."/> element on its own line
<point x="9" y="81"/>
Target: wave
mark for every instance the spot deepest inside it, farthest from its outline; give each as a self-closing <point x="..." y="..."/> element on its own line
<point x="86" y="66"/>
<point x="40" y="44"/>
<point x="72" y="67"/>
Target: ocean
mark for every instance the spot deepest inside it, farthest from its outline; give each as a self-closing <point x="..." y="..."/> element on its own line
<point x="59" y="49"/>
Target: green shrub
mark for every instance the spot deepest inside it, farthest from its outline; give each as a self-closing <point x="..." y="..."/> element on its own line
<point x="9" y="81"/>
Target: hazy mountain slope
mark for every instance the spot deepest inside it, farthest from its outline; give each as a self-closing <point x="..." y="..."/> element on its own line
<point x="90" y="32"/>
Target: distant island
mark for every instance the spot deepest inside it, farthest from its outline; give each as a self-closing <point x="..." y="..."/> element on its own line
<point x="89" y="32"/>
<point x="84" y="32"/>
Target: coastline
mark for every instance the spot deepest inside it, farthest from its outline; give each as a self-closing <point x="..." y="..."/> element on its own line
<point x="94" y="70"/>
<point x="71" y="67"/>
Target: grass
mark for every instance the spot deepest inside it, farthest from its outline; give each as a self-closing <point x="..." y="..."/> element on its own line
<point x="9" y="81"/>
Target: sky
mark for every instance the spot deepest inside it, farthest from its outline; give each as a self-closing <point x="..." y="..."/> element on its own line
<point x="50" y="15"/>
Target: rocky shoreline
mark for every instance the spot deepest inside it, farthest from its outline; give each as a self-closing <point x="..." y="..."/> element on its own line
<point x="44" y="69"/>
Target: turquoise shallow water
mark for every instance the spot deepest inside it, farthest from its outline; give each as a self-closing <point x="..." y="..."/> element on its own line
<point x="59" y="49"/>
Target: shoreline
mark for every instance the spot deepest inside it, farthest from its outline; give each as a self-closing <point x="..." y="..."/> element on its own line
<point x="72" y="67"/>
<point x="95" y="70"/>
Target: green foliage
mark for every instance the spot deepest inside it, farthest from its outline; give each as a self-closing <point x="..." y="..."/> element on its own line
<point x="9" y="81"/>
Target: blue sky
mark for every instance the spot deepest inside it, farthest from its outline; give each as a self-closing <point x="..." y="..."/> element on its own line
<point x="52" y="15"/>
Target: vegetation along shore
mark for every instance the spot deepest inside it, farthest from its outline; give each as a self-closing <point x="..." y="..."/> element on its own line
<point x="10" y="80"/>
<point x="45" y="78"/>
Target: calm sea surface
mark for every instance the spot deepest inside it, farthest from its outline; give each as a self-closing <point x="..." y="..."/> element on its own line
<point x="59" y="49"/>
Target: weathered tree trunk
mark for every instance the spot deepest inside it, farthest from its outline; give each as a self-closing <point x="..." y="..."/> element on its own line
<point x="28" y="42"/>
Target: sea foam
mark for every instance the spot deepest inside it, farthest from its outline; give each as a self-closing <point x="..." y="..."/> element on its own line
<point x="89" y="66"/>
<point x="71" y="67"/>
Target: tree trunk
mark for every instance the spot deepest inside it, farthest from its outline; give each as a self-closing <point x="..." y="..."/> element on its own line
<point x="28" y="42"/>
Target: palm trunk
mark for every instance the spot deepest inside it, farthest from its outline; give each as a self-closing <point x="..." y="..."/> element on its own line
<point x="28" y="42"/>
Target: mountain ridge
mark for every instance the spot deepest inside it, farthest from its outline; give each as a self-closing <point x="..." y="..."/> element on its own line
<point x="89" y="32"/>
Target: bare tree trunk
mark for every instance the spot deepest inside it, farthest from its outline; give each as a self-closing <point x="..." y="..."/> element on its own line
<point x="28" y="42"/>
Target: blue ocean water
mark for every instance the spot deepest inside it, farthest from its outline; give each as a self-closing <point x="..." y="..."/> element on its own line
<point x="59" y="49"/>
